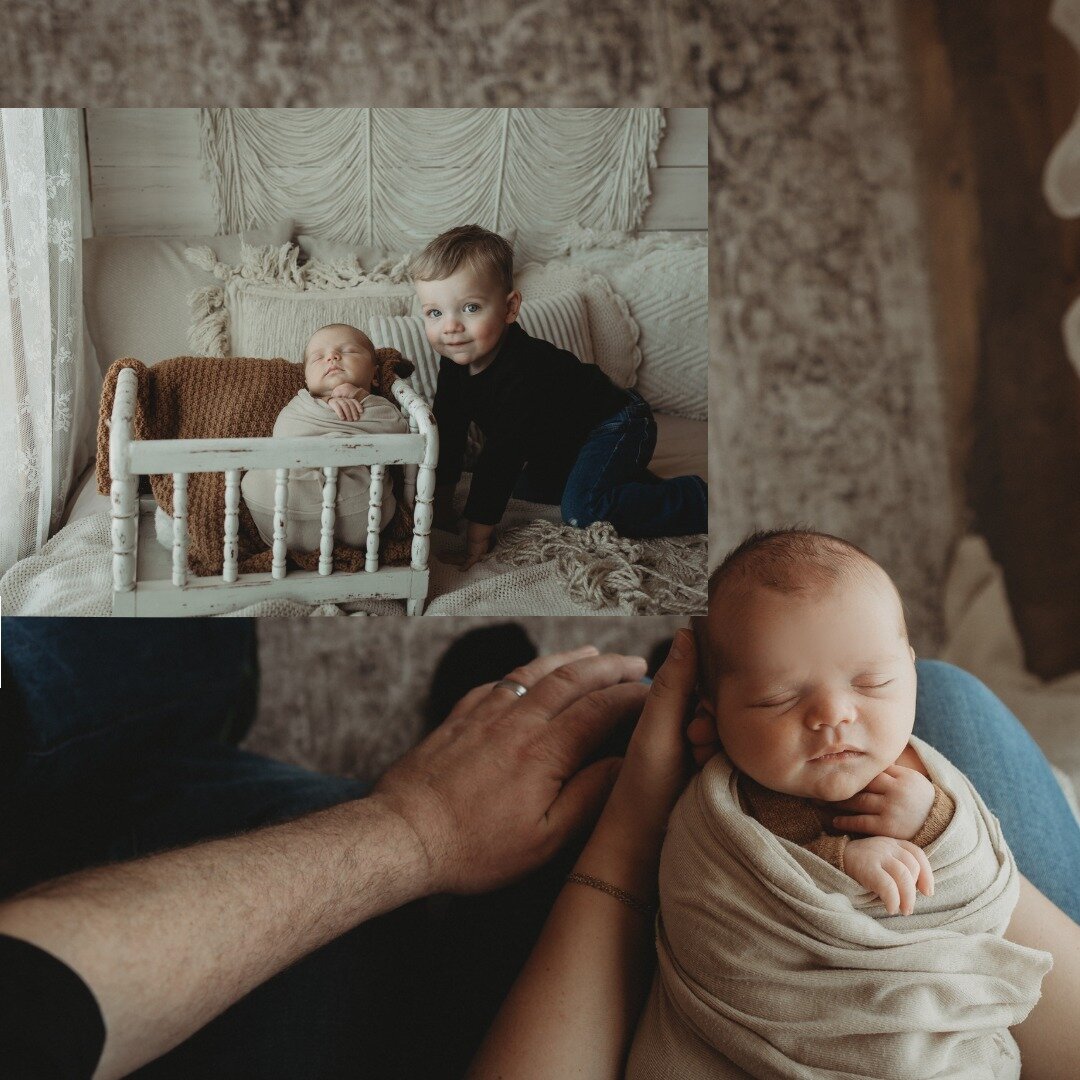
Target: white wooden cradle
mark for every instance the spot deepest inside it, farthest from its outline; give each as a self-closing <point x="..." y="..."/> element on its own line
<point x="149" y="580"/>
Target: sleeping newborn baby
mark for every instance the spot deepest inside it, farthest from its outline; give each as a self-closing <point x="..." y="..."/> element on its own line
<point x="833" y="892"/>
<point x="339" y="366"/>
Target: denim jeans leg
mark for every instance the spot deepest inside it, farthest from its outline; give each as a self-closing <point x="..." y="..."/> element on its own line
<point x="610" y="481"/>
<point x="966" y="722"/>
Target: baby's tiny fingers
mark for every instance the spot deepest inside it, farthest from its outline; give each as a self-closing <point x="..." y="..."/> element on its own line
<point x="865" y="802"/>
<point x="905" y="883"/>
<point x="870" y="824"/>
<point x="887" y="891"/>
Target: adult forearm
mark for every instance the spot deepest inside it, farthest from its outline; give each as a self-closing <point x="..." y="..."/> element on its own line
<point x="168" y="942"/>
<point x="573" y="1009"/>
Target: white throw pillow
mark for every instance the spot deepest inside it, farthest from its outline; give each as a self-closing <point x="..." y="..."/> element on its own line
<point x="270" y="320"/>
<point x="560" y="319"/>
<point x="135" y="289"/>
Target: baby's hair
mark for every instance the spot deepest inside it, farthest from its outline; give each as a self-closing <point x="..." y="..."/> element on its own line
<point x="336" y="326"/>
<point x="792" y="561"/>
<point x="472" y="245"/>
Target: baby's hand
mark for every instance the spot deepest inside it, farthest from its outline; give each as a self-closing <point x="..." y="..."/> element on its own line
<point x="891" y="869"/>
<point x="347" y="408"/>
<point x="895" y="803"/>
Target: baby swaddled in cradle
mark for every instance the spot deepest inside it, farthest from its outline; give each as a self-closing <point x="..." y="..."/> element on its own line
<point x="792" y="939"/>
<point x="339" y="367"/>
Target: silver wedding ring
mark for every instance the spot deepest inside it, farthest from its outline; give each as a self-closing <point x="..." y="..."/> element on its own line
<point x="510" y="684"/>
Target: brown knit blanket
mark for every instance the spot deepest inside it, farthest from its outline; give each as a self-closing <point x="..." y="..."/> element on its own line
<point x="200" y="397"/>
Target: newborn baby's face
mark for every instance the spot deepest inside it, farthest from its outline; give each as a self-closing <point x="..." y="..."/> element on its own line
<point x="817" y="693"/>
<point x="336" y="355"/>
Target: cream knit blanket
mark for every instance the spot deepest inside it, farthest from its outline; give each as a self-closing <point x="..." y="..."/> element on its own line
<point x="773" y="963"/>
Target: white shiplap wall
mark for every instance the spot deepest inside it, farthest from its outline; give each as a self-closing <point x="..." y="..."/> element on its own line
<point x="145" y="173"/>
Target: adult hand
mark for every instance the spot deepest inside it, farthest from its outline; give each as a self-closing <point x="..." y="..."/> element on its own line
<point x="657" y="764"/>
<point x="499" y="786"/>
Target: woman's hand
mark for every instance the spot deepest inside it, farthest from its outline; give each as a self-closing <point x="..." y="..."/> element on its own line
<point x="657" y="763"/>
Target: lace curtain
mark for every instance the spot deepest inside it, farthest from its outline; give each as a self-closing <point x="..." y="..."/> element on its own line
<point x="394" y="178"/>
<point x="49" y="382"/>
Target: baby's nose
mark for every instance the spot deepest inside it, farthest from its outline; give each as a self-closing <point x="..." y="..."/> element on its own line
<point x="831" y="710"/>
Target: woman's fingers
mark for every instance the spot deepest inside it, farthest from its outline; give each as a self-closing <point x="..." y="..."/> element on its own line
<point x="660" y="729"/>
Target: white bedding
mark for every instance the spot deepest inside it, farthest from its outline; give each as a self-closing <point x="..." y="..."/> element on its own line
<point x="71" y="575"/>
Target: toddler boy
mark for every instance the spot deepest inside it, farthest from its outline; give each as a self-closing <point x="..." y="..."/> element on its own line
<point x="339" y="366"/>
<point x="555" y="430"/>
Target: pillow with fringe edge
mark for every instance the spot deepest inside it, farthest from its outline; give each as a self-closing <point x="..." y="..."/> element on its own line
<point x="210" y="335"/>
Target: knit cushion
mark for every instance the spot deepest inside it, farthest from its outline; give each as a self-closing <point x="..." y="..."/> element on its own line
<point x="271" y="320"/>
<point x="560" y="319"/>
<point x="135" y="289"/>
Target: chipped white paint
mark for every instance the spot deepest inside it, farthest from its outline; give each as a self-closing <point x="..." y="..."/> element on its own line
<point x="329" y="516"/>
<point x="232" y="523"/>
<point x="180" y="529"/>
<point x="374" y="518"/>
<point x="281" y="496"/>
<point x="409" y="490"/>
<point x="123" y="490"/>
<point x="144" y="573"/>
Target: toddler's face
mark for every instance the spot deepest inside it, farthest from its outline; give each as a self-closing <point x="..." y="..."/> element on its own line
<point x="466" y="314"/>
<point x="336" y="355"/>
<point x="817" y="695"/>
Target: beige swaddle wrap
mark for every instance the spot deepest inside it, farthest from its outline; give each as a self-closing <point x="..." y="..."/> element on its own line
<point x="773" y="963"/>
<point x="304" y="415"/>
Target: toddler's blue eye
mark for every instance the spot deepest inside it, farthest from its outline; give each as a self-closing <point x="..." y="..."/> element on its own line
<point x="434" y="313"/>
<point x="471" y="309"/>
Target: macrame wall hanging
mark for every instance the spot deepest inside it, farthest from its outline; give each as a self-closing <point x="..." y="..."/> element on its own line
<point x="394" y="178"/>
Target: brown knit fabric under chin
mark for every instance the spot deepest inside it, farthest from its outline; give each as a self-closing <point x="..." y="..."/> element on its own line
<point x="200" y="397"/>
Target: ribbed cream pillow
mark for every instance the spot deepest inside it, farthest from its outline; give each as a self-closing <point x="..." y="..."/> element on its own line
<point x="272" y="320"/>
<point x="560" y="319"/>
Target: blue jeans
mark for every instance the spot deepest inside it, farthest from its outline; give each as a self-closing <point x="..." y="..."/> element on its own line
<point x="610" y="481"/>
<point x="117" y="741"/>
<point x="962" y="718"/>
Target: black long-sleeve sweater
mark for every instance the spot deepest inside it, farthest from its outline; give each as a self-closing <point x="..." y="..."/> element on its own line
<point x="535" y="404"/>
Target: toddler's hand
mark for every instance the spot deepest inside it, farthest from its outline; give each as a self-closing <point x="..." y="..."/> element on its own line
<point x="891" y="869"/>
<point x="479" y="540"/>
<point x="346" y="408"/>
<point x="895" y="803"/>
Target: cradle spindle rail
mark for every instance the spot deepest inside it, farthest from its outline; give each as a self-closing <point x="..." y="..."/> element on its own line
<point x="147" y="580"/>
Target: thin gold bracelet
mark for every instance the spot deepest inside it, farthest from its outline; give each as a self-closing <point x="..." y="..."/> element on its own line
<point x="622" y="895"/>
